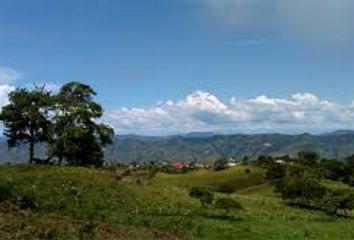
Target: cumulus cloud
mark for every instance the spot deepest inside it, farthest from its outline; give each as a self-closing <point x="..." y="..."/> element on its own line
<point x="203" y="111"/>
<point x="8" y="75"/>
<point x="4" y="91"/>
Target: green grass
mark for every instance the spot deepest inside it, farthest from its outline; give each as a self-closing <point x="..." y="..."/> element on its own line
<point x="81" y="203"/>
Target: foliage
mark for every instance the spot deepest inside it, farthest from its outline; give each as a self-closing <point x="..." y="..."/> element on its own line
<point x="227" y="204"/>
<point x="220" y="164"/>
<point x="26" y="118"/>
<point x="79" y="202"/>
<point x="334" y="169"/>
<point x="67" y="121"/>
<point x="338" y="202"/>
<point x="203" y="194"/>
<point x="265" y="160"/>
<point x="77" y="137"/>
<point x="308" y="158"/>
<point x="301" y="185"/>
<point x="225" y="188"/>
<point x="6" y="192"/>
<point x="276" y="172"/>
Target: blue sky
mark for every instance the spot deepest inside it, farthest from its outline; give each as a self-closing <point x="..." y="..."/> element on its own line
<point x="141" y="55"/>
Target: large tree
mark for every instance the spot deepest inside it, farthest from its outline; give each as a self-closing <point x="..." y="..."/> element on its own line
<point x="77" y="136"/>
<point x="26" y="118"/>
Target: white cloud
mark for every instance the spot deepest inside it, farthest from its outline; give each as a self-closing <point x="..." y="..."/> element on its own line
<point x="202" y="111"/>
<point x="4" y="91"/>
<point x="8" y="75"/>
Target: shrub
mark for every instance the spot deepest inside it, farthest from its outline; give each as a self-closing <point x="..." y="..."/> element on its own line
<point x="225" y="188"/>
<point x="27" y="200"/>
<point x="275" y="172"/>
<point x="6" y="192"/>
<point x="308" y="158"/>
<point x="203" y="194"/>
<point x="220" y="164"/>
<point x="227" y="204"/>
<point x="301" y="186"/>
<point x="338" y="202"/>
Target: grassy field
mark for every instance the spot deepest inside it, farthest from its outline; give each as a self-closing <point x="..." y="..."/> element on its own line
<point x="81" y="203"/>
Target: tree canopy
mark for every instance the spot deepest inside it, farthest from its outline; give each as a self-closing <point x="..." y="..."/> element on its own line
<point x="26" y="118"/>
<point x="68" y="121"/>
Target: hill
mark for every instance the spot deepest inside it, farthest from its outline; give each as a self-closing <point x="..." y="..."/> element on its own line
<point x="78" y="203"/>
<point x="204" y="147"/>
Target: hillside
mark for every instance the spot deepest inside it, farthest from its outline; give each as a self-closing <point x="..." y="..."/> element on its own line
<point x="207" y="147"/>
<point x="79" y="203"/>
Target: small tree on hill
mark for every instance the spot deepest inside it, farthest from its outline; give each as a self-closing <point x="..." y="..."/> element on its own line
<point x="202" y="194"/>
<point x="301" y="186"/>
<point x="26" y="118"/>
<point x="227" y="204"/>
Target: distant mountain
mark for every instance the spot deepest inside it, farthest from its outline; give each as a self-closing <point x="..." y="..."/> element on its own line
<point x="204" y="147"/>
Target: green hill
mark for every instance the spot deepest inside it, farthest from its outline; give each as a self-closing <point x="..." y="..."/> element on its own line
<point x="44" y="202"/>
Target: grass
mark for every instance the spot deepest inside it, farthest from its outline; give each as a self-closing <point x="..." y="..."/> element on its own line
<point x="81" y="203"/>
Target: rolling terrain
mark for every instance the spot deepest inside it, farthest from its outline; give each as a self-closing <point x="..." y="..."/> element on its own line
<point x="206" y="147"/>
<point x="80" y="203"/>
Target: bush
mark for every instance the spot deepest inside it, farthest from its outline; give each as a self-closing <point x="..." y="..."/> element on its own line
<point x="27" y="201"/>
<point x="225" y="188"/>
<point x="338" y="202"/>
<point x="203" y="194"/>
<point x="301" y="186"/>
<point x="227" y="204"/>
<point x="6" y="192"/>
<point x="275" y="172"/>
<point x="220" y="164"/>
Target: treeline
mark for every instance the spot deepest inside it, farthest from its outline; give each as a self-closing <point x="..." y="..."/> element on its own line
<point x="301" y="182"/>
<point x="66" y="121"/>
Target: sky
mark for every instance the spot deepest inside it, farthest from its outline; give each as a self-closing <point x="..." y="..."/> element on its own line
<point x="174" y="66"/>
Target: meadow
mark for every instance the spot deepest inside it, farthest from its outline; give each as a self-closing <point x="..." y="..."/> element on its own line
<point x="50" y="202"/>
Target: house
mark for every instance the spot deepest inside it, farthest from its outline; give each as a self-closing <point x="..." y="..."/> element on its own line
<point x="179" y="165"/>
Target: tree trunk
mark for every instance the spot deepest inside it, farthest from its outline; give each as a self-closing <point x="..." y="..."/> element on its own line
<point x="31" y="151"/>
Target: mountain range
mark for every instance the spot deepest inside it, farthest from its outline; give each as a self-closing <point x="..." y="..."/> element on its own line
<point x="206" y="147"/>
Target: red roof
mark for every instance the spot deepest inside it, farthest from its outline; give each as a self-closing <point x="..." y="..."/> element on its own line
<point x="179" y="165"/>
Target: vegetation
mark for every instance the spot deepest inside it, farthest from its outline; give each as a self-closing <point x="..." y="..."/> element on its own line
<point x="220" y="164"/>
<point x="156" y="201"/>
<point x="65" y="121"/>
<point x="26" y="118"/>
<point x="227" y="204"/>
<point x="202" y="194"/>
<point x="84" y="203"/>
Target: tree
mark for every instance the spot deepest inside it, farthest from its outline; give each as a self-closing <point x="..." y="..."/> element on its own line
<point x="77" y="137"/>
<point x="275" y="172"/>
<point x="301" y="186"/>
<point x="308" y="158"/>
<point x="334" y="169"/>
<point x="227" y="204"/>
<point x="26" y="118"/>
<point x="204" y="195"/>
<point x="220" y="164"/>
<point x="265" y="160"/>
